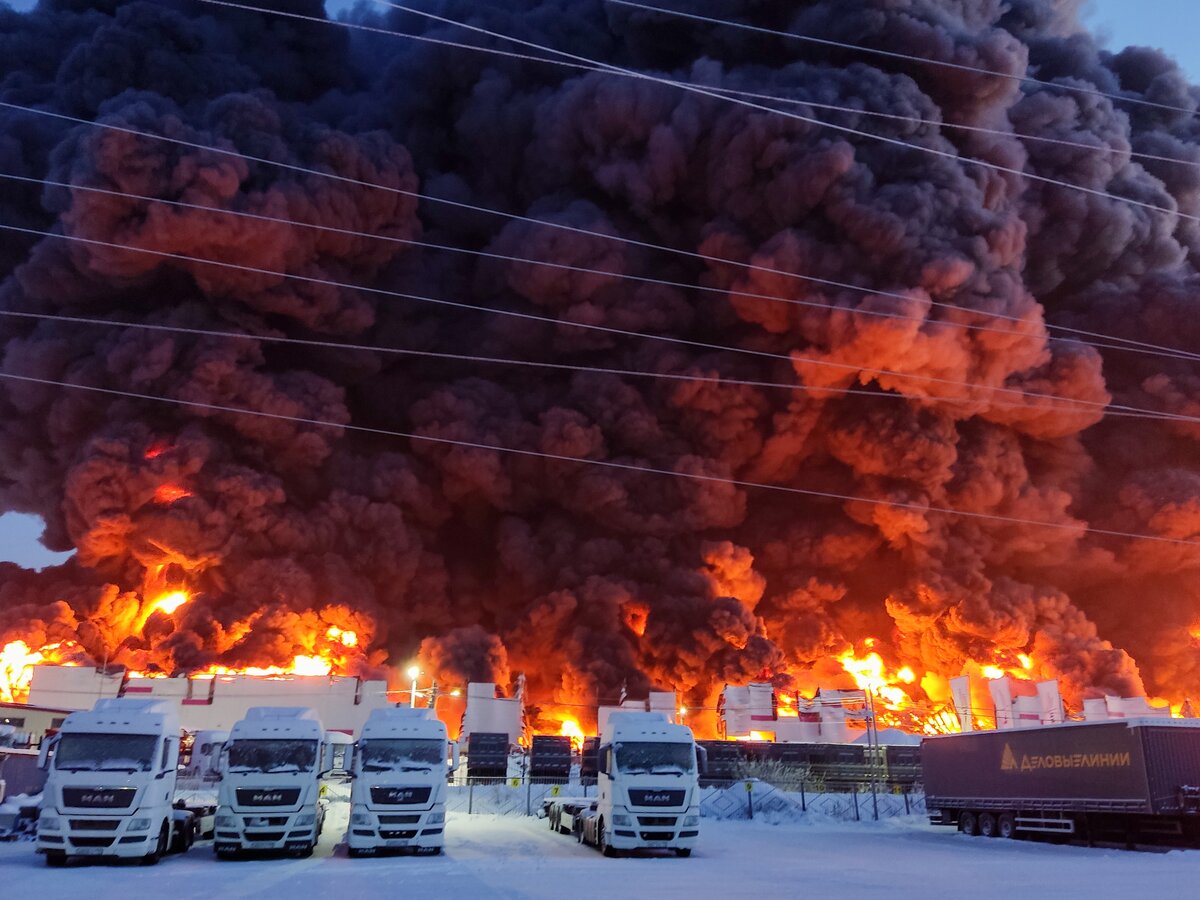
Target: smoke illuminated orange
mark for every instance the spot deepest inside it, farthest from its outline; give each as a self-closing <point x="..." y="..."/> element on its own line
<point x="169" y="493"/>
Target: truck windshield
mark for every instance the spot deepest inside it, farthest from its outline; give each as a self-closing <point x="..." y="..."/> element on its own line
<point x="78" y="752"/>
<point x="402" y="755"/>
<point x="272" y="756"/>
<point x="647" y="758"/>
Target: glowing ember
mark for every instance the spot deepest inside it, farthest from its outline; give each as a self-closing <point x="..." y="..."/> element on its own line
<point x="169" y="493"/>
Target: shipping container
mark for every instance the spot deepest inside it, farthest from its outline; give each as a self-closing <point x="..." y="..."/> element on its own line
<point x="1134" y="781"/>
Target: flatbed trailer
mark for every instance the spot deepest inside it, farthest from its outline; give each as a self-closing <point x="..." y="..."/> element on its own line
<point x="1133" y="781"/>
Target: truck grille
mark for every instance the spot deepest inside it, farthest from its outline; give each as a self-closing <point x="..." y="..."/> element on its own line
<point x="98" y="798"/>
<point x="394" y="835"/>
<point x="657" y="820"/>
<point x="399" y="820"/>
<point x="91" y="841"/>
<point x="268" y="796"/>
<point x="653" y="797"/>
<point x="271" y="836"/>
<point x="95" y="824"/>
<point x="400" y="796"/>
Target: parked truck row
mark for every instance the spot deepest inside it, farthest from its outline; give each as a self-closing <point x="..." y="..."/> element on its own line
<point x="114" y="786"/>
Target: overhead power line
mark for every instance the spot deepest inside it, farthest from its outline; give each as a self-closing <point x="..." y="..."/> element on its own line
<point x="907" y="57"/>
<point x="711" y="93"/>
<point x="662" y="282"/>
<point x="1124" y="343"/>
<point x="1078" y="527"/>
<point x="791" y="358"/>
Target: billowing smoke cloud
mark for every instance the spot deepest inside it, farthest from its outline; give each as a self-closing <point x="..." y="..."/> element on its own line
<point x="589" y="579"/>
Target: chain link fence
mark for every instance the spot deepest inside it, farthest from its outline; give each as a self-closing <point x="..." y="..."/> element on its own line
<point x="750" y="798"/>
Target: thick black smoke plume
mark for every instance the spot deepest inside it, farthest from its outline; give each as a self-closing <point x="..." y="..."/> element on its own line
<point x="589" y="578"/>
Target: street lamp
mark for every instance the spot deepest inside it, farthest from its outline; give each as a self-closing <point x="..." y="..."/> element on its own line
<point x="413" y="672"/>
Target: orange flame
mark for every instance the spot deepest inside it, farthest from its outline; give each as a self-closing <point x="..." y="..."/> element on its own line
<point x="169" y="493"/>
<point x="170" y="602"/>
<point x="17" y="660"/>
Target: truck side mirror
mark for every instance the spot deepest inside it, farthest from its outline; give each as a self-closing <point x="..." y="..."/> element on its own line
<point x="46" y="752"/>
<point x="454" y="758"/>
<point x="702" y="759"/>
<point x="602" y="759"/>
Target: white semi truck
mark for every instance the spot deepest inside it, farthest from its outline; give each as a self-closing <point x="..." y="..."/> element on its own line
<point x="648" y="789"/>
<point x="270" y="794"/>
<point x="110" y="789"/>
<point x="398" y="798"/>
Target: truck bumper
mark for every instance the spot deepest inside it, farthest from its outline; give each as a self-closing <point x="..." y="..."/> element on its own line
<point x="265" y="833"/>
<point x="99" y="843"/>
<point x="396" y="831"/>
<point x="669" y="831"/>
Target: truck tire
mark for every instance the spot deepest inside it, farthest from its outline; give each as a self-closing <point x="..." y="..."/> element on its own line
<point x="160" y="848"/>
<point x="683" y="851"/>
<point x="1006" y="826"/>
<point x="968" y="824"/>
<point x="56" y="860"/>
<point x="227" y="855"/>
<point x="987" y="825"/>
<point x="602" y="840"/>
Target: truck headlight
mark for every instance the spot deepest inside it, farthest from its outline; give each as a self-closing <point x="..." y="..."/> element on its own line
<point x="619" y="819"/>
<point x="306" y="819"/>
<point x="436" y="818"/>
<point x="360" y="818"/>
<point x="138" y="825"/>
<point x="47" y="823"/>
<point x="691" y="821"/>
<point x="225" y="821"/>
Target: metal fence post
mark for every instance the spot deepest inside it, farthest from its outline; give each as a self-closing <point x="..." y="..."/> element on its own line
<point x="907" y="811"/>
<point x="854" y="794"/>
<point x="528" y="796"/>
<point x="470" y="796"/>
<point x="803" y="802"/>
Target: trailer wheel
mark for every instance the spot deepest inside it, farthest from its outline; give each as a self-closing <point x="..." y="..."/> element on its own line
<point x="56" y="860"/>
<point x="1006" y="826"/>
<point x="968" y="824"/>
<point x="987" y="825"/>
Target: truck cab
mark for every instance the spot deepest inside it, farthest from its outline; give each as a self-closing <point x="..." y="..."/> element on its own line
<point x="648" y="793"/>
<point x="398" y="797"/>
<point x="111" y="784"/>
<point x="270" y="794"/>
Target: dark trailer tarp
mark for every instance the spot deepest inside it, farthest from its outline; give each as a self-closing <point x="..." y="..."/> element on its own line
<point x="1139" y="766"/>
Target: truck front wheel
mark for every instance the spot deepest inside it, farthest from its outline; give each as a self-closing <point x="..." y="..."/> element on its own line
<point x="602" y="840"/>
<point x="160" y="848"/>
<point x="968" y="824"/>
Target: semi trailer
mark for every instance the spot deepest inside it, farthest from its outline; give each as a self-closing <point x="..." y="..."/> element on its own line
<point x="270" y="793"/>
<point x="647" y="789"/>
<point x="1132" y="781"/>
<point x="398" y="797"/>
<point x="111" y="783"/>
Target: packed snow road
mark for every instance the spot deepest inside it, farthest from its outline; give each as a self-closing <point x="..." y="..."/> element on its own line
<point x="512" y="857"/>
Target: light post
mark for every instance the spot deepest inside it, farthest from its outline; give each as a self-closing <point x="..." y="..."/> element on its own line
<point x="413" y="672"/>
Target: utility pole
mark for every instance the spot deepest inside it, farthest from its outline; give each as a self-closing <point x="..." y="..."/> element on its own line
<point x="873" y="749"/>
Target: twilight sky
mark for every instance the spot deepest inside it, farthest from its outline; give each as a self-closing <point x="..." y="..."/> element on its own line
<point x="1173" y="25"/>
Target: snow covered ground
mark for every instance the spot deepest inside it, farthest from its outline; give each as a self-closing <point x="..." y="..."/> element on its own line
<point x="517" y="857"/>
